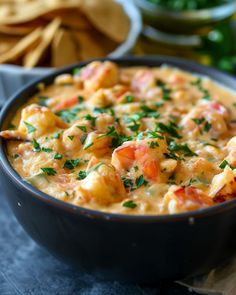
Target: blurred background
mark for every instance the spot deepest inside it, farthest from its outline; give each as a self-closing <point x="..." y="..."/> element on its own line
<point x="203" y="30"/>
<point x="39" y="35"/>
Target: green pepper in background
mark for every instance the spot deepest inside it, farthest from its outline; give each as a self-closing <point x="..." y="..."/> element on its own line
<point x="179" y="5"/>
<point x="220" y="46"/>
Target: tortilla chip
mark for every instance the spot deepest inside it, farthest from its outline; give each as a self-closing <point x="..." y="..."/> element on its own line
<point x="64" y="49"/>
<point x="23" y="28"/>
<point x="7" y="42"/>
<point x="22" y="46"/>
<point x="91" y="44"/>
<point x="108" y="17"/>
<point x="70" y="18"/>
<point x="23" y="12"/>
<point x="32" y="58"/>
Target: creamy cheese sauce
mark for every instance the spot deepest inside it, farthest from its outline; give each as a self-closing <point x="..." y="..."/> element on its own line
<point x="128" y="140"/>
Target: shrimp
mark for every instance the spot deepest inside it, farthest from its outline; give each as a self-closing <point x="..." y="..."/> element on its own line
<point x="210" y="114"/>
<point x="66" y="104"/>
<point x="99" y="75"/>
<point x="103" y="122"/>
<point x="223" y="184"/>
<point x="102" y="186"/>
<point x="35" y="122"/>
<point x="182" y="199"/>
<point x="72" y="137"/>
<point x="97" y="143"/>
<point x="139" y="153"/>
<point x="143" y="81"/>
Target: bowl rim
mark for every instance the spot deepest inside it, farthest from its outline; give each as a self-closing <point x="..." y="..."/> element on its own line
<point x="155" y="61"/>
<point x="134" y="15"/>
<point x="204" y="13"/>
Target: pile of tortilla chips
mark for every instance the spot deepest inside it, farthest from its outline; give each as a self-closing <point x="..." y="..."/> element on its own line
<point x="59" y="32"/>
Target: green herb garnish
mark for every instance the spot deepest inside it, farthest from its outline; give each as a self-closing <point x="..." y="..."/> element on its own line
<point x="36" y="146"/>
<point x="46" y="150"/>
<point x="140" y="181"/>
<point x="82" y="128"/>
<point x="71" y="137"/>
<point x="42" y="101"/>
<point x="129" y="204"/>
<point x="184" y="148"/>
<point x="153" y="144"/>
<point x="165" y="90"/>
<point x="82" y="174"/>
<point x="90" y="118"/>
<point x="49" y="171"/>
<point x="127" y="182"/>
<point x="58" y="156"/>
<point x="171" y="129"/>
<point x="30" y="127"/>
<point x="71" y="164"/>
<point x="129" y="98"/>
<point x="11" y="126"/>
<point x="224" y="164"/>
<point x="80" y="98"/>
<point x="57" y="135"/>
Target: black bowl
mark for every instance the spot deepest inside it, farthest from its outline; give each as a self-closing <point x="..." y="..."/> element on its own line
<point x="122" y="247"/>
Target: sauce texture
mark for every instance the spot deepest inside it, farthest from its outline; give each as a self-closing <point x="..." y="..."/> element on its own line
<point x="137" y="140"/>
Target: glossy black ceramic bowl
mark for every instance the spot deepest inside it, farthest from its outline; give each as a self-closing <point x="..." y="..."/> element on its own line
<point x="122" y="247"/>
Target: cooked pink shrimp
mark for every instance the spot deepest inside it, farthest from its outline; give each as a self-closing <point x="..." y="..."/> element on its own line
<point x="138" y="153"/>
<point x="143" y="81"/>
<point x="72" y="137"/>
<point x="97" y="143"/>
<point x="102" y="185"/>
<point x="182" y="199"/>
<point x="211" y="113"/>
<point x="99" y="75"/>
<point x="35" y="122"/>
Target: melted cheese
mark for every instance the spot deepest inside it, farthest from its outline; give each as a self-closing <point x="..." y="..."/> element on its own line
<point x="128" y="140"/>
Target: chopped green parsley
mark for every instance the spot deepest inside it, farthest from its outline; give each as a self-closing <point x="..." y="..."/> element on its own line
<point x="49" y="171"/>
<point x="129" y="204"/>
<point x="30" y="127"/>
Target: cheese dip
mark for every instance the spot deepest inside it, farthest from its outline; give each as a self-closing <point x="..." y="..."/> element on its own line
<point x="135" y="140"/>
